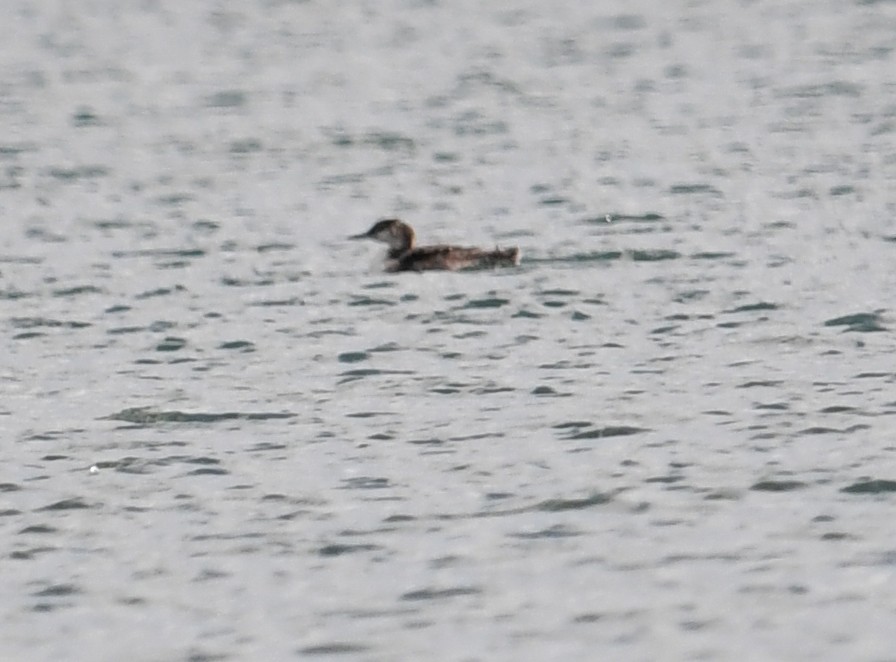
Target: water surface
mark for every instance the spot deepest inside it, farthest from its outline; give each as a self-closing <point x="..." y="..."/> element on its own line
<point x="666" y="435"/>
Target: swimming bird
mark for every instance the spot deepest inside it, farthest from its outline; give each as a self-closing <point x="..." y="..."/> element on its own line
<point x="404" y="255"/>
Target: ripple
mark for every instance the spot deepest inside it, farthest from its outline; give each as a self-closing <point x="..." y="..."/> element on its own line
<point x="334" y="648"/>
<point x="778" y="485"/>
<point x="366" y="483"/>
<point x="834" y="88"/>
<point x="353" y="357"/>
<point x="440" y="594"/>
<point x="343" y="549"/>
<point x="653" y="255"/>
<point x="767" y="383"/>
<point x="491" y="302"/>
<point x="77" y="291"/>
<point x="712" y="255"/>
<point x="361" y="373"/>
<point x="875" y="486"/>
<point x="149" y="416"/>
<point x="695" y="189"/>
<point x="78" y="172"/>
<point x="57" y="591"/>
<point x="66" y="504"/>
<point x="550" y="533"/>
<point x="612" y="218"/>
<point x="609" y="431"/>
<point x="753" y="307"/>
<point x="36" y="322"/>
<point x="860" y="322"/>
<point x="242" y="345"/>
<point x="12" y="294"/>
<point x="159" y="292"/>
<point x="171" y="344"/>
<point x="558" y="505"/>
<point x="209" y="471"/>
<point x="591" y="256"/>
<point x="370" y="301"/>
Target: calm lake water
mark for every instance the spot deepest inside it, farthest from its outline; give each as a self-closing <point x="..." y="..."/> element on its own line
<point x="228" y="435"/>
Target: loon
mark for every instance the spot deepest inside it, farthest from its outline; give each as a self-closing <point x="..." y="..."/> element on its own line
<point x="403" y="255"/>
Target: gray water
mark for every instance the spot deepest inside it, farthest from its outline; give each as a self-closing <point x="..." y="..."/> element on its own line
<point x="227" y="435"/>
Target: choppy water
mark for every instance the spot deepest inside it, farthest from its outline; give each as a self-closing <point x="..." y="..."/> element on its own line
<point x="228" y="436"/>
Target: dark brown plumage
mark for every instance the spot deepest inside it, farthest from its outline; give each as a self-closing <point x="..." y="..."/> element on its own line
<point x="403" y="255"/>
